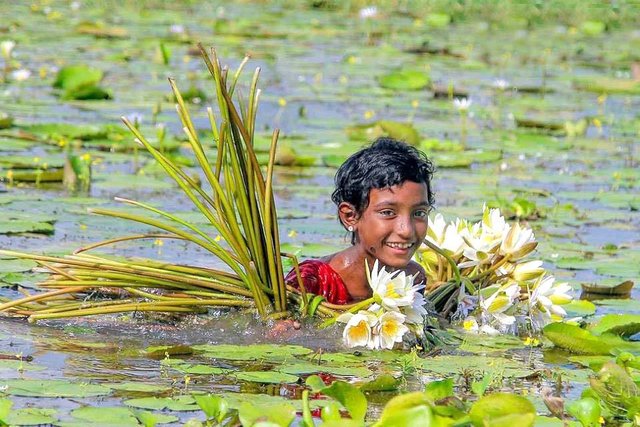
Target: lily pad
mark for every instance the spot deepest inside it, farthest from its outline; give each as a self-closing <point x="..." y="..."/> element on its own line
<point x="580" y="341"/>
<point x="608" y="85"/>
<point x="16" y="265"/>
<point x="624" y="325"/>
<point x="199" y="369"/>
<point x="304" y="368"/>
<point x="450" y="365"/>
<point x="267" y="377"/>
<point x="32" y="416"/>
<point x="502" y="409"/>
<point x="19" y="365"/>
<point x="140" y="387"/>
<point x="115" y="416"/>
<point x="178" y="403"/>
<point x="53" y="388"/>
<point x="252" y="352"/>
<point x="76" y="76"/>
<point x="580" y="308"/>
<point x="405" y="80"/>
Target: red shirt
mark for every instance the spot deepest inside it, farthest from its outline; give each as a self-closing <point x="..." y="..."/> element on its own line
<point x="319" y="278"/>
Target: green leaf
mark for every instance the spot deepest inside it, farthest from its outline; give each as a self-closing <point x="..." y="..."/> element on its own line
<point x="268" y="377"/>
<point x="252" y="352"/>
<point x="413" y="403"/>
<point x="580" y="341"/>
<point x="303" y="368"/>
<point x="580" y="307"/>
<point x="279" y="415"/>
<point x="150" y="419"/>
<point x="19" y="365"/>
<point x="586" y="410"/>
<point x="31" y="416"/>
<point x="347" y="394"/>
<point x="214" y="407"/>
<point x="23" y="226"/>
<point x="384" y="382"/>
<point x="75" y="76"/>
<point x="417" y="416"/>
<point x="5" y="410"/>
<point x="53" y="388"/>
<point x="405" y="80"/>
<point x="502" y="409"/>
<point x="178" y="403"/>
<point x="115" y="416"/>
<point x="623" y="325"/>
<point x="140" y="387"/>
<point x="437" y="390"/>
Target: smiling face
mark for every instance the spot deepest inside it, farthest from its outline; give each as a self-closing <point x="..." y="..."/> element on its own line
<point x="394" y="224"/>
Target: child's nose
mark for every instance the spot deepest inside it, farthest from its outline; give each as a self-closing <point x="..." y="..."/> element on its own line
<point x="404" y="227"/>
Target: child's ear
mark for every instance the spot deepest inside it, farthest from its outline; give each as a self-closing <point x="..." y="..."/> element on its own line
<point x="348" y="214"/>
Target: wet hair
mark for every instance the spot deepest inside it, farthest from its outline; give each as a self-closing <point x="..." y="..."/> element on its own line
<point x="385" y="163"/>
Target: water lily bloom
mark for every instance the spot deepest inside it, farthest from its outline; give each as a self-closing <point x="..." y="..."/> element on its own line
<point x="358" y="331"/>
<point x="500" y="84"/>
<point x="527" y="271"/>
<point x="518" y="242"/>
<point x="391" y="290"/>
<point x="494" y="226"/>
<point x="391" y="329"/>
<point x="462" y="104"/>
<point x="446" y="237"/>
<point x="21" y="75"/>
<point x="6" y="47"/>
<point x="548" y="298"/>
<point x="499" y="302"/>
<point x="368" y="12"/>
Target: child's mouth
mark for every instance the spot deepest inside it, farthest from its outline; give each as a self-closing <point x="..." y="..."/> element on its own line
<point x="400" y="246"/>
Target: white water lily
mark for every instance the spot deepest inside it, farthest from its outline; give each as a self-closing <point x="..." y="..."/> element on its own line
<point x="478" y="252"/>
<point x="391" y="290"/>
<point x="548" y="298"/>
<point x="494" y="226"/>
<point x="391" y="329"/>
<point x="499" y="302"/>
<point x="20" y="75"/>
<point x="526" y="271"/>
<point x="518" y="242"/>
<point x="415" y="312"/>
<point x="462" y="104"/>
<point x="368" y="12"/>
<point x="358" y="331"/>
<point x="6" y="47"/>
<point x="500" y="84"/>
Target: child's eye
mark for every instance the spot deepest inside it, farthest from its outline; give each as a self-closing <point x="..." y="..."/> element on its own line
<point x="387" y="212"/>
<point x="422" y="213"/>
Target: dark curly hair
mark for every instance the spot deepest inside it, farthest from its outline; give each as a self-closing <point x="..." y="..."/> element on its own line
<point x="385" y="163"/>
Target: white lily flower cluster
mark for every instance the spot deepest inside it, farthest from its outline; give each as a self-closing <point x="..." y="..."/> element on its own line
<point x="512" y="292"/>
<point x="397" y="308"/>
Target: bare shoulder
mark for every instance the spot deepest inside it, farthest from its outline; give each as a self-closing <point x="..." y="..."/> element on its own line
<point x="414" y="268"/>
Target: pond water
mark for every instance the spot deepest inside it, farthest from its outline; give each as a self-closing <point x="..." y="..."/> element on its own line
<point x="561" y="131"/>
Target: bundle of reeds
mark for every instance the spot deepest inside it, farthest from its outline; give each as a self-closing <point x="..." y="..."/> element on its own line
<point x="239" y="204"/>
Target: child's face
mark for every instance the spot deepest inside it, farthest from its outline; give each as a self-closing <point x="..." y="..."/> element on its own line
<point x="394" y="224"/>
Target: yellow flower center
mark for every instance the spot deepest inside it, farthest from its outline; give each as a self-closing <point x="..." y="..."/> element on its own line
<point x="359" y="331"/>
<point x="390" y="329"/>
<point x="390" y="291"/>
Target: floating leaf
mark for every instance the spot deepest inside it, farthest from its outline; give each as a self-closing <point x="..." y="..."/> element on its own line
<point x="19" y="365"/>
<point x="586" y="410"/>
<point x="31" y="416"/>
<point x="16" y="265"/>
<point x="303" y="368"/>
<point x="384" y="382"/>
<point x="268" y="377"/>
<point x="502" y="409"/>
<point x="115" y="416"/>
<point x="199" y="369"/>
<point x="577" y="340"/>
<point x="273" y="415"/>
<point x="252" y="352"/>
<point x="619" y="324"/>
<point x="22" y="226"/>
<point x="53" y="388"/>
<point x="178" y="403"/>
<point x="405" y="80"/>
<point x="140" y="387"/>
<point x="437" y="390"/>
<point x="347" y="394"/>
<point x="416" y="405"/>
<point x="580" y="308"/>
<point x="75" y="76"/>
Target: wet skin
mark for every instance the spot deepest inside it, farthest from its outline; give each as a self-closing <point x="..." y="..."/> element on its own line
<point x="390" y="229"/>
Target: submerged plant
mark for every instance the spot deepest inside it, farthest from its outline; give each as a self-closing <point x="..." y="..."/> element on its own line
<point x="237" y="200"/>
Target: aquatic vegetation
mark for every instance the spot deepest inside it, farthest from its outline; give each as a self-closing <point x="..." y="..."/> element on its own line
<point x="480" y="276"/>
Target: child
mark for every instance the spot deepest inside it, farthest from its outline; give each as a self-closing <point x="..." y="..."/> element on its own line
<point x="383" y="194"/>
